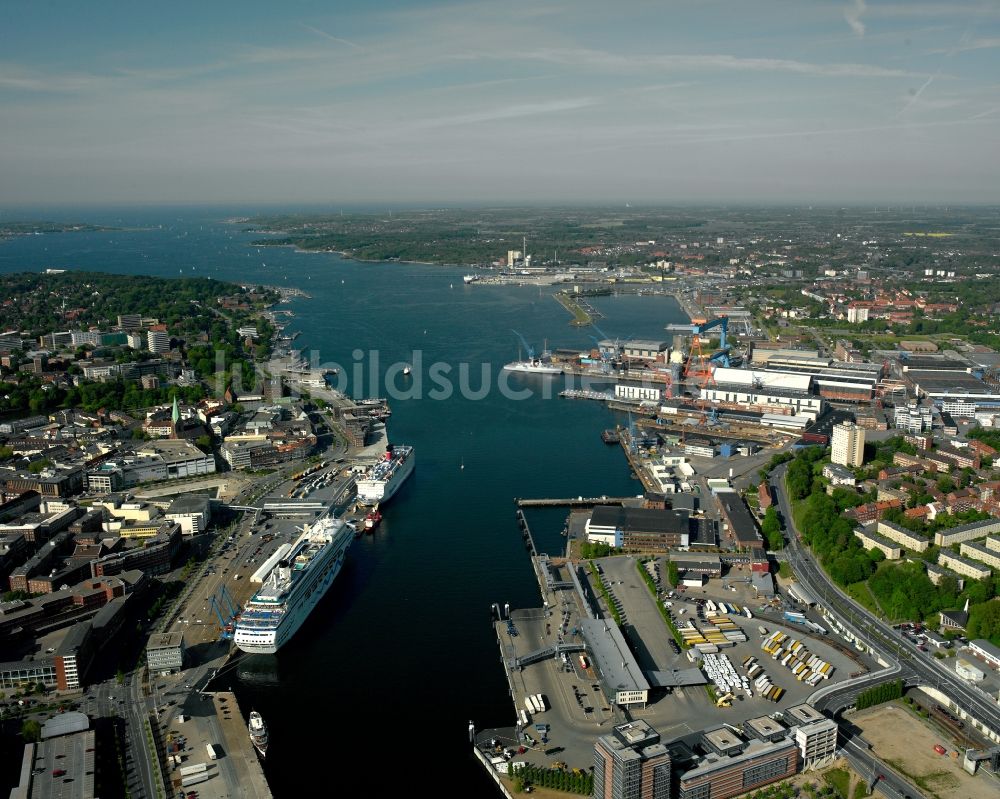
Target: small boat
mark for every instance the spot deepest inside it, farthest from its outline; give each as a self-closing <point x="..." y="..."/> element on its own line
<point x="406" y="369"/>
<point x="258" y="733"/>
<point x="373" y="519"/>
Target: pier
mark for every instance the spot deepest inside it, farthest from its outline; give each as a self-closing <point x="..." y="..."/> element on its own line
<point x="580" y="393"/>
<point x="529" y="540"/>
<point x="583" y="312"/>
<point x="635" y="463"/>
<point x="570" y="502"/>
<point x="727" y="431"/>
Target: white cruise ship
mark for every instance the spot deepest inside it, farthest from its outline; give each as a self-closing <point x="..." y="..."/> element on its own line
<point x="383" y="479"/>
<point x="293" y="587"/>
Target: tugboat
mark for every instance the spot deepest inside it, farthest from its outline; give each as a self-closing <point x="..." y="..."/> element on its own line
<point x="258" y="733"/>
<point x="373" y="519"/>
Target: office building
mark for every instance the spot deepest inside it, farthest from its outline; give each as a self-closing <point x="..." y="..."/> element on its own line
<point x="129" y="321"/>
<point x="739" y="767"/>
<point x="84" y="338"/>
<point x="816" y="736"/>
<point x="157" y="341"/>
<point x="848" y="445"/>
<point x="631" y="763"/>
<point x="165" y="652"/>
<point x="191" y="511"/>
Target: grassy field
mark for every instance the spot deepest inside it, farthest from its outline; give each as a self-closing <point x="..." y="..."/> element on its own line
<point x="840" y="779"/>
<point x="861" y="594"/>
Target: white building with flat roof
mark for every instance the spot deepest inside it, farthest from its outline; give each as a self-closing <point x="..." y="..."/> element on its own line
<point x="847" y="447"/>
<point x="817" y="743"/>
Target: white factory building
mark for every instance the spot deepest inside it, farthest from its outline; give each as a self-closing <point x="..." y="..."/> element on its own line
<point x="758" y="387"/>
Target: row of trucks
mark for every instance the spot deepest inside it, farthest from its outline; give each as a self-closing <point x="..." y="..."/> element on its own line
<point x="726" y="627"/>
<point x="194" y="774"/>
<point x="719" y="607"/>
<point x="535" y="703"/>
<point x="791" y="653"/>
<point x="761" y="681"/>
<point x="719" y="633"/>
<point x="800" y="618"/>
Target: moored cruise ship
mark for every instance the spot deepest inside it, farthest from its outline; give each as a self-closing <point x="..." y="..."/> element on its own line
<point x="293" y="587"/>
<point x="383" y="479"/>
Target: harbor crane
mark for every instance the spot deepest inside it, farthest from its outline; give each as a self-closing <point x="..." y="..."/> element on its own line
<point x="527" y="347"/>
<point x="216" y="605"/>
<point x="722" y="322"/>
<point x="700" y="367"/>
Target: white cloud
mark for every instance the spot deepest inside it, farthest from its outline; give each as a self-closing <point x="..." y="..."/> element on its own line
<point x="642" y="64"/>
<point x="853" y="14"/>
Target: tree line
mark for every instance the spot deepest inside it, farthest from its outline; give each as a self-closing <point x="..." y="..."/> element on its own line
<point x="877" y="694"/>
<point x="577" y="781"/>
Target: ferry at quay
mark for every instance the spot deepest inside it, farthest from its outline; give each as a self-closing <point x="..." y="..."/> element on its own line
<point x="385" y="477"/>
<point x="301" y="575"/>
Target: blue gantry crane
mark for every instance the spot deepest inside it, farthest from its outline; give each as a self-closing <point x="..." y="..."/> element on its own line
<point x="720" y="357"/>
<point x="226" y="624"/>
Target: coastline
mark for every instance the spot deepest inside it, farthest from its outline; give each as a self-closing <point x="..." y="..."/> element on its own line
<point x="348" y="257"/>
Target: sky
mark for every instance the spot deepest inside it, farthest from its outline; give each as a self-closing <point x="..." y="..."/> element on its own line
<point x="515" y="102"/>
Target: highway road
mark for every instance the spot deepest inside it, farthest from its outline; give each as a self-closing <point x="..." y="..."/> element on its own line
<point x="142" y="756"/>
<point x="867" y="766"/>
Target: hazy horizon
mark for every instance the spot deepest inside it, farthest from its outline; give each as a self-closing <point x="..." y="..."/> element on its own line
<point x="462" y="104"/>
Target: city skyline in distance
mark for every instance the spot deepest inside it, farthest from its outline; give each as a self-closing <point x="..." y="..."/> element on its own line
<point x="830" y="102"/>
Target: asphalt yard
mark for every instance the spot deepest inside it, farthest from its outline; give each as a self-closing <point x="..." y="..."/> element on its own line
<point x="577" y="709"/>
